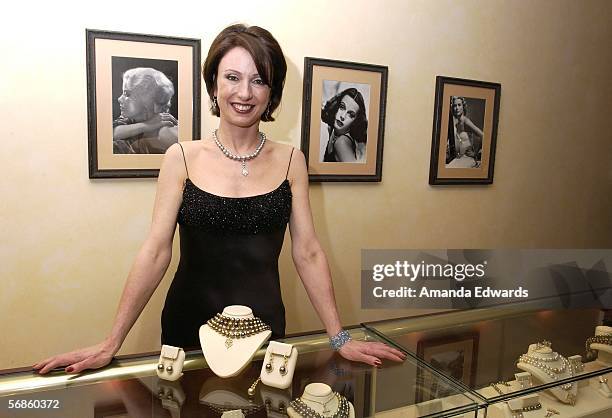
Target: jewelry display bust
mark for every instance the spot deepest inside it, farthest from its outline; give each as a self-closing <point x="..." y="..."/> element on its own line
<point x="546" y="365"/>
<point x="228" y="353"/>
<point x="601" y="343"/>
<point x="318" y="400"/>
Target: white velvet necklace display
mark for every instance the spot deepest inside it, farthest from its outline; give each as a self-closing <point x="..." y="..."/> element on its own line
<point x="320" y="398"/>
<point x="229" y="361"/>
<point x="547" y="366"/>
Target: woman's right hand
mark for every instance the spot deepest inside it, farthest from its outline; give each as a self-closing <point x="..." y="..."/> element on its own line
<point x="93" y="357"/>
<point x="160" y="120"/>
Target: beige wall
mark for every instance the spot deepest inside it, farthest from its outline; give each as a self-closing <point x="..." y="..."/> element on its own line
<point x="68" y="242"/>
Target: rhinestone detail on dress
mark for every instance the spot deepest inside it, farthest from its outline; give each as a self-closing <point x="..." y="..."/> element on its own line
<point x="249" y="215"/>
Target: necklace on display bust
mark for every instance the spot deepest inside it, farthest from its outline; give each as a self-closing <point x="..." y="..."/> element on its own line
<point x="551" y="371"/>
<point x="234" y="328"/>
<point x="307" y="412"/>
<point x="242" y="158"/>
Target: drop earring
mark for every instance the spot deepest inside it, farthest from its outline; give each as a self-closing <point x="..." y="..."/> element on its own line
<point x="215" y="105"/>
<point x="270" y="365"/>
<point x="283" y="369"/>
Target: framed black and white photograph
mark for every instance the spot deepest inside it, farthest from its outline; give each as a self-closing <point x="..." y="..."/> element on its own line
<point x="454" y="356"/>
<point x="466" y="115"/>
<point x="343" y="120"/>
<point x="143" y="94"/>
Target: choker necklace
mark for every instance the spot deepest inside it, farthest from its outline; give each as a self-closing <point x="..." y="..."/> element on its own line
<point x="232" y="328"/>
<point x="242" y="158"/>
<point x="307" y="412"/>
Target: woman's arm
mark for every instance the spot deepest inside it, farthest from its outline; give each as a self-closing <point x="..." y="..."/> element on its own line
<point x="311" y="264"/>
<point x="147" y="271"/>
<point x="344" y="150"/>
<point x="155" y="123"/>
<point x="473" y="127"/>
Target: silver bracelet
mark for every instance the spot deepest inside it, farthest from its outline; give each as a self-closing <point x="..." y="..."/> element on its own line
<point x="337" y="341"/>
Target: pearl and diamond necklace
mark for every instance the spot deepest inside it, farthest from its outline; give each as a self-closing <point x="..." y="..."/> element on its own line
<point x="242" y="158"/>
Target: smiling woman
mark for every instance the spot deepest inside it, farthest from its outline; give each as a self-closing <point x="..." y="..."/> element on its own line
<point x="232" y="222"/>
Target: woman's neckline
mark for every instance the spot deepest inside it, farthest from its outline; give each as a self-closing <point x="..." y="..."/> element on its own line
<point x="236" y="197"/>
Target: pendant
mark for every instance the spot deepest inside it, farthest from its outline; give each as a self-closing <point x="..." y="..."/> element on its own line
<point x="228" y="343"/>
<point x="245" y="171"/>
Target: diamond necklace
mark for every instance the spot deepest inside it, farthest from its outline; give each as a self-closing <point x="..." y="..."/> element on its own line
<point x="242" y="158"/>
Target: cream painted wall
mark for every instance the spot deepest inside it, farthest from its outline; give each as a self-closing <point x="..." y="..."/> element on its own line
<point x="68" y="242"/>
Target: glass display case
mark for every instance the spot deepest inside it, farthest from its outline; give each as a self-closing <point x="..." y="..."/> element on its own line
<point x="129" y="387"/>
<point x="520" y="364"/>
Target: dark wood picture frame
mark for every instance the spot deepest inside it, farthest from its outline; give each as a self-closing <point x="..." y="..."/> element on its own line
<point x="371" y="82"/>
<point x="466" y="347"/>
<point x="102" y="48"/>
<point x="450" y="162"/>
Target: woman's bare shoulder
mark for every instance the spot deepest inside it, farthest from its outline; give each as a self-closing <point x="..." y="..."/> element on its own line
<point x="279" y="149"/>
<point x="196" y="146"/>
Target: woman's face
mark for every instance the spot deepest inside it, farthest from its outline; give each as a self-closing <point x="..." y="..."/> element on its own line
<point x="346" y="114"/>
<point x="133" y="103"/>
<point x="457" y="107"/>
<point x="241" y="93"/>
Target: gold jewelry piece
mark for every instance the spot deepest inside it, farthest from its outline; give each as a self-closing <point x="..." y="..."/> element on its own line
<point x="577" y="364"/>
<point x="543" y="344"/>
<point x="251" y="389"/>
<point x="232" y="328"/>
<point x="604" y="381"/>
<point x="498" y="390"/>
<point x="550" y="412"/>
<point x="598" y="339"/>
<point x="532" y="407"/>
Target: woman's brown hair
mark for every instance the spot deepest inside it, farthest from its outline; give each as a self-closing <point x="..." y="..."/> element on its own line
<point x="267" y="55"/>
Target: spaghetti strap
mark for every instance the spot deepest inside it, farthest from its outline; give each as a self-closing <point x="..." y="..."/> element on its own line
<point x="184" y="159"/>
<point x="289" y="165"/>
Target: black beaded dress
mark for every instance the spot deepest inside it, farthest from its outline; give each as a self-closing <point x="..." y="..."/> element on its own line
<point x="229" y="256"/>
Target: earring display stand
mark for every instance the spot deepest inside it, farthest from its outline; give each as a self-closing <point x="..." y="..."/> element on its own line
<point x="279" y="365"/>
<point x="320" y="398"/>
<point x="275" y="400"/>
<point x="229" y="360"/>
<point x="172" y="396"/>
<point x="170" y="364"/>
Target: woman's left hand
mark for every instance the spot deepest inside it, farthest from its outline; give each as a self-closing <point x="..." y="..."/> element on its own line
<point x="370" y="352"/>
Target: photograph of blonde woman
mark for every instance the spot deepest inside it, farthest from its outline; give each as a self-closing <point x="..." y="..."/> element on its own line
<point x="465" y="124"/>
<point x="145" y="114"/>
<point x="344" y="122"/>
